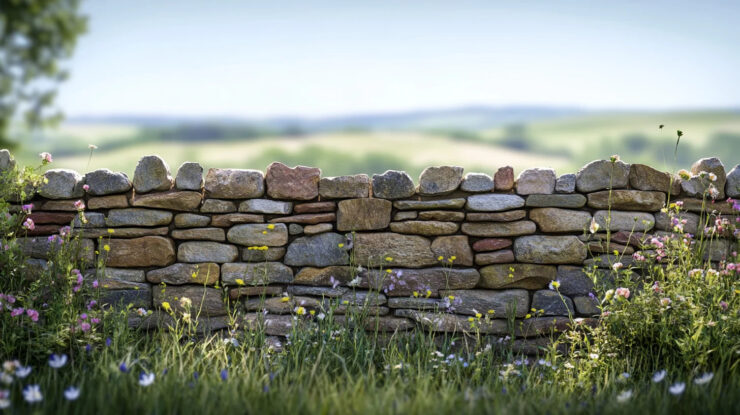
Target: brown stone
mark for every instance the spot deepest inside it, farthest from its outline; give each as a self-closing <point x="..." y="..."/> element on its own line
<point x="496" y="257"/>
<point x="182" y="201"/>
<point x="363" y="214"/>
<point x="372" y="249"/>
<point x="406" y="215"/>
<point x="179" y="274"/>
<point x="491" y="244"/>
<point x="300" y="182"/>
<point x="204" y="300"/>
<point x="44" y="230"/>
<point x="218" y="206"/>
<point x="63" y="205"/>
<point x="601" y="247"/>
<point x="527" y="276"/>
<point x="545" y="249"/>
<point x="323" y="276"/>
<point x="560" y="220"/>
<point x="315" y="207"/>
<point x="108" y="202"/>
<point x="454" y="250"/>
<point x="147" y="251"/>
<point x="251" y="254"/>
<point x="509" y="216"/>
<point x="204" y="234"/>
<point x="234" y="184"/>
<point x="504" y="178"/>
<point x="403" y="281"/>
<point x="344" y="186"/>
<point x="442" y="215"/>
<point x="40" y="218"/>
<point x="122" y="232"/>
<point x="496" y="229"/>
<point x="318" y="228"/>
<point x="308" y="218"/>
<point x="276" y="305"/>
<point x="429" y="228"/>
<point x="456" y="203"/>
<point x="627" y="200"/>
<point x="644" y="177"/>
<point x="259" y="291"/>
<point x="224" y="221"/>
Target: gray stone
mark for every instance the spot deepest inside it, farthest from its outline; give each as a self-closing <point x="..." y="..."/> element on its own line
<point x="191" y="220"/>
<point x="543" y="249"/>
<point x="318" y="251"/>
<point x="205" y="300"/>
<point x="536" y="181"/>
<point x="276" y="305"/>
<point x="496" y="257"/>
<point x="316" y="291"/>
<point x="508" y="216"/>
<point x="566" y="183"/>
<point x="105" y="182"/>
<point x="62" y="184"/>
<point x="189" y="176"/>
<point x="300" y="182"/>
<point x="206" y="252"/>
<point x="553" y="220"/>
<point x="6" y="160"/>
<point x="182" y="201"/>
<point x="372" y="249"/>
<point x="417" y="303"/>
<point x="494" y="202"/>
<point x="644" y="177"/>
<point x="587" y="306"/>
<point x="574" y="281"/>
<point x="179" y="274"/>
<point x="405" y="215"/>
<point x="699" y="205"/>
<point x="477" y="183"/>
<point x="440" y="180"/>
<point x="339" y="275"/>
<point x="122" y="232"/>
<point x="627" y="200"/>
<point x="405" y="281"/>
<point x="663" y="221"/>
<point x="429" y="204"/>
<point x="122" y="274"/>
<point x="259" y="234"/>
<point x="504" y="303"/>
<point x="363" y="298"/>
<point x="203" y="234"/>
<point x="140" y="296"/>
<point x="561" y="201"/>
<point x="711" y="165"/>
<point x="600" y="174"/>
<point x="94" y="220"/>
<point x="138" y="217"/>
<point x="252" y="254"/>
<point x="218" y="206"/>
<point x="552" y="303"/>
<point x="733" y="182"/>
<point x="527" y="276"/>
<point x="624" y="221"/>
<point x="234" y="184"/>
<point x="317" y="229"/>
<point x="295" y="229"/>
<point x="107" y="202"/>
<point x="40" y="247"/>
<point x="498" y="229"/>
<point x="272" y="207"/>
<point x="393" y="185"/>
<point x="271" y="324"/>
<point x="452" y="323"/>
<point x="344" y="187"/>
<point x="717" y="250"/>
<point x="425" y="227"/>
<point x="363" y="214"/>
<point x="255" y="273"/>
<point x="152" y="173"/>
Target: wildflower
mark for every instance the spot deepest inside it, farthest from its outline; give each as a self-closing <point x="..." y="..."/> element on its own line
<point x="665" y="301"/>
<point x="415" y="294"/>
<point x="428" y="293"/>
<point x="146" y="379"/>
<point x="32" y="394"/>
<point x="72" y="393"/>
<point x="123" y="368"/>
<point x="239" y="281"/>
<point x="389" y="259"/>
<point x="166" y="306"/>
<point x="622" y="292"/>
<point x="86" y="187"/>
<point x="46" y="158"/>
<point x="340" y="245"/>
<point x="723" y="305"/>
<point x="57" y="361"/>
<point x="27" y="208"/>
<point x="92" y="146"/>
<point x="594" y="227"/>
<point x="28" y="224"/>
<point x="6" y="378"/>
<point x="106" y="248"/>
<point x="439" y="258"/>
<point x="321" y="316"/>
<point x="593" y="356"/>
<point x="111" y="231"/>
<point x="300" y="310"/>
<point x="23" y="371"/>
<point x="284" y="299"/>
<point x="79" y="205"/>
<point x="491" y="312"/>
<point x="554" y="285"/>
<point x="704" y="378"/>
<point x="186" y="302"/>
<point x="624" y="396"/>
<point x="712" y="177"/>
<point x="108" y="341"/>
<point x="271" y="226"/>
<point x="355" y="282"/>
<point x="713" y="192"/>
<point x="684" y="174"/>
<point x="614" y="158"/>
<point x="334" y="282"/>
<point x="617" y="266"/>
<point x="224" y="374"/>
<point x="677" y="388"/>
<point x="478" y="315"/>
<point x="17" y="312"/>
<point x="659" y="376"/>
<point x="4" y="398"/>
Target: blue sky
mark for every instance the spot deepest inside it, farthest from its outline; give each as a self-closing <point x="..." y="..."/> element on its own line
<point x="317" y="58"/>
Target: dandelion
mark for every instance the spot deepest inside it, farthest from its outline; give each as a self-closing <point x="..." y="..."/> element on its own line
<point x="23" y="371"/>
<point x="72" y="393"/>
<point x="624" y="396"/>
<point x="389" y="259"/>
<point x="340" y="245"/>
<point x="284" y="299"/>
<point x="554" y="285"/>
<point x="239" y="281"/>
<point x="146" y="379"/>
<point x="704" y="378"/>
<point x="166" y="305"/>
<point x="659" y="376"/>
<point x="300" y="310"/>
<point x="32" y="394"/>
<point x="271" y="226"/>
<point x="677" y="388"/>
<point x="106" y="248"/>
<point x="56" y="361"/>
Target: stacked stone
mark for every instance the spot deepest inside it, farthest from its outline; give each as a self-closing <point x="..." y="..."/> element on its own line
<point x="436" y="255"/>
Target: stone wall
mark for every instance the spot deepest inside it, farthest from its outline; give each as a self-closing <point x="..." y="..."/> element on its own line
<point x="451" y="253"/>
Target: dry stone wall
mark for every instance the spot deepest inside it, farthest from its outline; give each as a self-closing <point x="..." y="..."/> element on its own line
<point x="437" y="255"/>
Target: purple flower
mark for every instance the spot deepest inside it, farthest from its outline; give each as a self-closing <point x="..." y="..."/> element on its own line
<point x="95" y="284"/>
<point x="27" y="208"/>
<point x="17" y="312"/>
<point x="33" y="314"/>
<point x="224" y="374"/>
<point x="108" y="341"/>
<point x="123" y="368"/>
<point x="195" y="375"/>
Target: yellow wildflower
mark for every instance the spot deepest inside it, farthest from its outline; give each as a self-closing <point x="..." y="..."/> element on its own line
<point x="478" y="315"/>
<point x="264" y="232"/>
<point x="166" y="306"/>
<point x="271" y="226"/>
<point x="416" y="294"/>
<point x="471" y="319"/>
<point x="451" y="297"/>
<point x="106" y="248"/>
<point x="285" y="299"/>
<point x="239" y="281"/>
<point x="528" y="316"/>
<point x="491" y="311"/>
<point x="439" y="258"/>
<point x="300" y="310"/>
<point x="312" y="312"/>
<point x="111" y="230"/>
<point x="429" y="293"/>
<point x="389" y="259"/>
<point x="340" y="245"/>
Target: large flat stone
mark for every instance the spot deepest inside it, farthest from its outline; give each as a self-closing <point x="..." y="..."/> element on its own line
<point x="404" y="281"/>
<point x="203" y="234"/>
<point x="318" y="251"/>
<point x="440" y="180"/>
<point x="234" y="184"/>
<point x="107" y="202"/>
<point x="152" y="174"/>
<point x="416" y="303"/>
<point x="147" y="251"/>
<point x="504" y="303"/>
<point x="491" y="244"/>
<point x="503" y="256"/>
<point x="644" y="177"/>
<point x="494" y="202"/>
<point x="627" y="200"/>
<point x="62" y="184"/>
<point x="440" y="215"/>
<point x="554" y="220"/>
<point x="179" y="274"/>
<point x="454" y="250"/>
<point x="602" y="174"/>
<point x="536" y="181"/>
<point x="527" y="276"/>
<point x="393" y="185"/>
<point x="272" y="207"/>
<point x="363" y="214"/>
<point x="182" y="201"/>
<point x="307" y="218"/>
<point x="424" y="227"/>
<point x="105" y="182"/>
<point x="259" y="234"/>
<point x="543" y="249"/>
<point x="40" y="247"/>
<point x="315" y="207"/>
<point x="562" y="201"/>
<point x="328" y="292"/>
<point x="138" y="217"/>
<point x="218" y="206"/>
<point x="508" y="216"/>
<point x="252" y="254"/>
<point x="255" y="273"/>
<point x="228" y="219"/>
<point x="429" y="204"/>
<point x="96" y="233"/>
<point x="205" y="300"/>
<point x="453" y="323"/>
<point x="191" y="220"/>
<point x="344" y="187"/>
<point x="624" y="221"/>
<point x="498" y="229"/>
<point x="206" y="252"/>
<point x="413" y="251"/>
<point x="324" y="276"/>
<point x="300" y="182"/>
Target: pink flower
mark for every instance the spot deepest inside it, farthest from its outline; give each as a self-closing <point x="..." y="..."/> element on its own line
<point x="65" y="230"/>
<point x="91" y="304"/>
<point x="83" y="316"/>
<point x="95" y="320"/>
<point x="85" y="326"/>
<point x="17" y="312"/>
<point x="79" y="205"/>
<point x="665" y="301"/>
<point x="28" y="224"/>
<point x="723" y="305"/>
<point x="45" y="157"/>
<point x="656" y="287"/>
<point x="33" y="314"/>
<point x="622" y="292"/>
<point x="86" y="187"/>
<point x="95" y="284"/>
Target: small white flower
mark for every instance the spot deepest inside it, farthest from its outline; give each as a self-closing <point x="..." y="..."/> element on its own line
<point x="23" y="371"/>
<point x="617" y="266"/>
<point x="146" y="379"/>
<point x="56" y="361"/>
<point x="625" y="375"/>
<point x="677" y="388"/>
<point x="624" y="396"/>
<point x="594" y="227"/>
<point x="712" y="177"/>
<point x="659" y="376"/>
<point x="704" y="379"/>
<point x="321" y="316"/>
<point x="32" y="394"/>
<point x="593" y="356"/>
<point x="355" y="282"/>
<point x="6" y="378"/>
<point x="234" y="342"/>
<point x="72" y="393"/>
